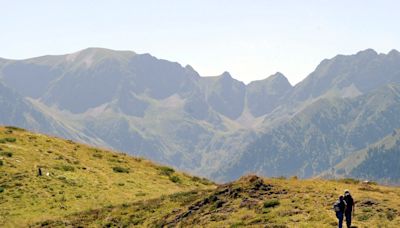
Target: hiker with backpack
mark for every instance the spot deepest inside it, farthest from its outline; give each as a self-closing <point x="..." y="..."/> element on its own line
<point x="339" y="207"/>
<point x="349" y="211"/>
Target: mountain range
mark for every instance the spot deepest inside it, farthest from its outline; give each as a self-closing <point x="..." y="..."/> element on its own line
<point x="217" y="126"/>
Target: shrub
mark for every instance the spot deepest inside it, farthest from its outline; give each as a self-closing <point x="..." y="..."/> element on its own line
<point x="184" y="197"/>
<point x="1" y="189"/>
<point x="203" y="180"/>
<point x="62" y="178"/>
<point x="67" y="168"/>
<point x="140" y="194"/>
<point x="2" y="141"/>
<point x="271" y="203"/>
<point x="349" y="181"/>
<point x="10" y="140"/>
<point x="175" y="179"/>
<point x="119" y="169"/>
<point x="367" y="209"/>
<point x="1" y="163"/>
<point x="97" y="155"/>
<point x="6" y="153"/>
<point x="218" y="203"/>
<point x="14" y="128"/>
<point x="390" y="215"/>
<point x="167" y="171"/>
<point x="363" y="217"/>
<point x="238" y="224"/>
<point x="196" y="179"/>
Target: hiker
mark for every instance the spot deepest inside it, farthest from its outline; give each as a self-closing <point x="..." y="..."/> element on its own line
<point x="39" y="172"/>
<point x="349" y="207"/>
<point x="339" y="207"/>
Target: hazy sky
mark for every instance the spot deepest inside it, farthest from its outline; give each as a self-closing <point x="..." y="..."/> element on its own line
<point x="251" y="39"/>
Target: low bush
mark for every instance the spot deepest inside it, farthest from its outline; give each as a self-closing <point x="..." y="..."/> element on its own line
<point x="97" y="155"/>
<point x="349" y="181"/>
<point x="1" y="163"/>
<point x="238" y="224"/>
<point x="390" y="215"/>
<point x="271" y="203"/>
<point x="67" y="168"/>
<point x="201" y="180"/>
<point x="14" y="128"/>
<point x="11" y="140"/>
<point x="119" y="169"/>
<point x="367" y="209"/>
<point x="1" y="189"/>
<point x="167" y="171"/>
<point x="175" y="179"/>
<point x="6" y="153"/>
<point x="363" y="217"/>
<point x="184" y="197"/>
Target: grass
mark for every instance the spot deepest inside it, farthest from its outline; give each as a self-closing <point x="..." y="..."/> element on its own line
<point x="73" y="179"/>
<point x="249" y="202"/>
<point x="253" y="202"/>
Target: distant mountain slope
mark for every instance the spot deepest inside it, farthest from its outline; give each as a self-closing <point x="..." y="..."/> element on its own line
<point x="321" y="134"/>
<point x="377" y="162"/>
<point x="74" y="178"/>
<point x="349" y="75"/>
<point x="226" y="95"/>
<point x="92" y="77"/>
<point x="19" y="111"/>
<point x="265" y="95"/>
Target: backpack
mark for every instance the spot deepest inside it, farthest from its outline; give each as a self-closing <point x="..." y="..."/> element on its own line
<point x="336" y="206"/>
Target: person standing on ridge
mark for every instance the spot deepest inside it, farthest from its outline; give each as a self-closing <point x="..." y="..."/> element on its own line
<point x="349" y="207"/>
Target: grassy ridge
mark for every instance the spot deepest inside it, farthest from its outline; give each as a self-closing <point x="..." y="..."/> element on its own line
<point x="74" y="178"/>
<point x="253" y="202"/>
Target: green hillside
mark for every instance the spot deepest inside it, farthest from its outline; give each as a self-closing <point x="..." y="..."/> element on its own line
<point x="249" y="202"/>
<point x="80" y="178"/>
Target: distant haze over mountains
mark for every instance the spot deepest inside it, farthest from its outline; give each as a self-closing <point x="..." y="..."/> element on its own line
<point x="212" y="126"/>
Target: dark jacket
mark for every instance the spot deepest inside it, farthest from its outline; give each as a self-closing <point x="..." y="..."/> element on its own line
<point x="349" y="202"/>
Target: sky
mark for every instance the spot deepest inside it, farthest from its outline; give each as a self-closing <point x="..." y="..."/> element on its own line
<point x="250" y="39"/>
